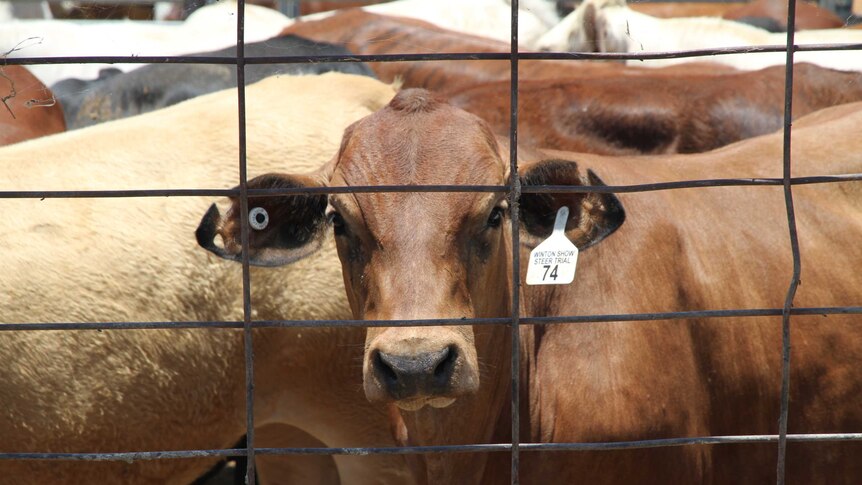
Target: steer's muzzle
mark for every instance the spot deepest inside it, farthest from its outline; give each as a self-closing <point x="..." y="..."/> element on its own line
<point x="414" y="373"/>
<point x="406" y="376"/>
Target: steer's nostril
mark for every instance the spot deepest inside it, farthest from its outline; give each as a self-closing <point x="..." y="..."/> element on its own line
<point x="444" y="368"/>
<point x="384" y="370"/>
<point x="416" y="374"/>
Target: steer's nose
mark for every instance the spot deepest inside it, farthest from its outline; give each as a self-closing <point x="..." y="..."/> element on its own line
<point x="421" y="374"/>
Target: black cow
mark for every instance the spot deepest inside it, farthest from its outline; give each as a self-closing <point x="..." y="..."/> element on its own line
<point x="117" y="94"/>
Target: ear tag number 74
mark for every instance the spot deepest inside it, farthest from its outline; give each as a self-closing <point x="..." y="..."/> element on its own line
<point x="553" y="261"/>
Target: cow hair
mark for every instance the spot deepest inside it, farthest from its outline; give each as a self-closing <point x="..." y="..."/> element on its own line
<point x="415" y="100"/>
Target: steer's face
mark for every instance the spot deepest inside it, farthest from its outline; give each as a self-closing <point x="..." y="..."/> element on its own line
<point x="415" y="255"/>
<point x="420" y="255"/>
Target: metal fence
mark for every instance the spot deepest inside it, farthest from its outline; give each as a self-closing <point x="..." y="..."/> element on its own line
<point x="513" y="190"/>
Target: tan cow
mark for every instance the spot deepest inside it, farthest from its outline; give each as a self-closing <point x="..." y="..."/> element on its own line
<point x="429" y="255"/>
<point x="131" y="260"/>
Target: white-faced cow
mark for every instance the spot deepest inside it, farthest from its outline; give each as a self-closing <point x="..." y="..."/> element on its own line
<point x="421" y="255"/>
<point x="611" y="26"/>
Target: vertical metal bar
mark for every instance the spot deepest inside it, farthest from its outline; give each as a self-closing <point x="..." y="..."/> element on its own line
<point x="246" y="277"/>
<point x="291" y="8"/>
<point x="794" y="245"/>
<point x="515" y="195"/>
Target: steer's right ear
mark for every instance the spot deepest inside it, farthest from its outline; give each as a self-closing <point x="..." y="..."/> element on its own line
<point x="282" y="228"/>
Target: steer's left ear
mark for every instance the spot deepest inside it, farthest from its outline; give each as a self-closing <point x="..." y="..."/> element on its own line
<point x="592" y="216"/>
<point x="282" y="229"/>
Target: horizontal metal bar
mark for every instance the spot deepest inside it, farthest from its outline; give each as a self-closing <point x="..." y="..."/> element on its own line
<point x="112" y="2"/>
<point x="254" y="60"/>
<point x="94" y="194"/>
<point x="640" y="56"/>
<point x="690" y="184"/>
<point x="254" y="323"/>
<point x="113" y="194"/>
<point x="99" y="326"/>
<point x="127" y="457"/>
<point x="493" y="447"/>
<point x="455" y="56"/>
<point x="632" y="317"/>
<point x="531" y="189"/>
<point x="642" y="317"/>
<point x="704" y="440"/>
<point x="597" y="446"/>
<point x="363" y="189"/>
<point x="134" y="2"/>
<point x="406" y="450"/>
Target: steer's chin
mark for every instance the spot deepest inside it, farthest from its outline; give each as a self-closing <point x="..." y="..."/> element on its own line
<point x="416" y="404"/>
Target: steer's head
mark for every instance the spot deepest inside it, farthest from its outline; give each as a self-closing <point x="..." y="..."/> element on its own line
<point x="415" y="255"/>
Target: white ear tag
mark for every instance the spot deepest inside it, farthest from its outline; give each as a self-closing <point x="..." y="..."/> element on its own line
<point x="553" y="261"/>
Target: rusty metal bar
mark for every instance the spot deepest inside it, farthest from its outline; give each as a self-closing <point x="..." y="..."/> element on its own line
<point x="530" y="189"/>
<point x="458" y="56"/>
<point x="784" y="400"/>
<point x="514" y="210"/>
<point x="603" y="318"/>
<point x="244" y="238"/>
<point x="493" y="447"/>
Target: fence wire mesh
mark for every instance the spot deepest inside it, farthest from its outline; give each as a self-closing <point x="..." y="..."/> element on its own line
<point x="513" y="190"/>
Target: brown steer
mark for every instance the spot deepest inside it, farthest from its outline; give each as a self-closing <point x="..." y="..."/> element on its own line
<point x="654" y="114"/>
<point x="450" y="258"/>
<point x="28" y="109"/>
<point x="808" y="15"/>
<point x="428" y="255"/>
<point x="367" y="33"/>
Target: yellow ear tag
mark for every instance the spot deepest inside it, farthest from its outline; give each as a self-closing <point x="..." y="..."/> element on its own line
<point x="553" y="261"/>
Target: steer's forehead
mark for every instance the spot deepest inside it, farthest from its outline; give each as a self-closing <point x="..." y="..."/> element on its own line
<point x="420" y="139"/>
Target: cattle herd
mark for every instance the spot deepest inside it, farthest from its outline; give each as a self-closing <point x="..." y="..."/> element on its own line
<point x="128" y="321"/>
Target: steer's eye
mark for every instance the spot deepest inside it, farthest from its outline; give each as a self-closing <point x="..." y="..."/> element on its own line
<point x="337" y="222"/>
<point x="496" y="217"/>
<point x="258" y="218"/>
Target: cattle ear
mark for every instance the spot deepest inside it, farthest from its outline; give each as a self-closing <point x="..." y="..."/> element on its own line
<point x="590" y="33"/>
<point x="593" y="216"/>
<point x="282" y="228"/>
<point x="605" y="36"/>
